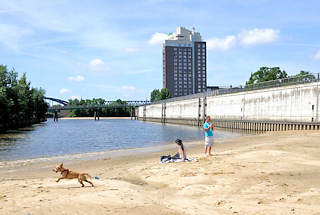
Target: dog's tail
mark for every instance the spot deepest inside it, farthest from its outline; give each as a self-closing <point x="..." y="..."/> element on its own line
<point x="86" y="174"/>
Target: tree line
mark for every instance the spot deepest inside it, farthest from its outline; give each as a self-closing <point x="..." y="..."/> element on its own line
<point x="265" y="74"/>
<point x="20" y="104"/>
<point x="112" y="109"/>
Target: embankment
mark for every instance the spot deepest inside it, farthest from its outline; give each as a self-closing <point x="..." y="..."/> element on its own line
<point x="294" y="107"/>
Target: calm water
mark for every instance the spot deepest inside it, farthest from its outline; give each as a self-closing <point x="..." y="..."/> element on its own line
<point x="72" y="136"/>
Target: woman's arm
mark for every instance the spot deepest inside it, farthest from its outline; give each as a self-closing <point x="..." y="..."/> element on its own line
<point x="182" y="153"/>
<point x="212" y="126"/>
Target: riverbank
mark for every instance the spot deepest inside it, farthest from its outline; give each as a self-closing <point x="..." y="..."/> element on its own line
<point x="20" y="125"/>
<point x="272" y="173"/>
<point x="93" y="118"/>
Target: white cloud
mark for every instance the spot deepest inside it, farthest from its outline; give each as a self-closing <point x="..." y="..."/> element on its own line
<point x="131" y="50"/>
<point x="317" y="56"/>
<point x="223" y="44"/>
<point x="96" y="62"/>
<point x="245" y="38"/>
<point x="158" y="38"/>
<point x="98" y="66"/>
<point x="74" y="97"/>
<point x="88" y="29"/>
<point x="131" y="88"/>
<point x="258" y="36"/>
<point x="64" y="90"/>
<point x="11" y="36"/>
<point x="76" y="78"/>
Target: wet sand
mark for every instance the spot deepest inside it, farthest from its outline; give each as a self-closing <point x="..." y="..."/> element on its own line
<point x="271" y="173"/>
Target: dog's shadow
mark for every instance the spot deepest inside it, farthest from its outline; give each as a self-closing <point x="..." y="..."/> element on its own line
<point x="74" y="187"/>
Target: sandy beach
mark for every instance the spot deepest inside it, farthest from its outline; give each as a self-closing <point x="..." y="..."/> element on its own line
<point x="271" y="173"/>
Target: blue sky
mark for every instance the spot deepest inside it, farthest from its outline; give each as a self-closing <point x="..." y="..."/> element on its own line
<point x="112" y="49"/>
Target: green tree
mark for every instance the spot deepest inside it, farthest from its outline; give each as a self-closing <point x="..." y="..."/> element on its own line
<point x="40" y="106"/>
<point x="4" y="100"/>
<point x="155" y="95"/>
<point x="20" y="105"/>
<point x="164" y="94"/>
<point x="24" y="99"/>
<point x="266" y="74"/>
<point x="74" y="102"/>
<point x="120" y="111"/>
<point x="305" y="76"/>
<point x="113" y="109"/>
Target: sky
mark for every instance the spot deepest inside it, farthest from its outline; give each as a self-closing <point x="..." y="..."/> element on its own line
<point x="113" y="49"/>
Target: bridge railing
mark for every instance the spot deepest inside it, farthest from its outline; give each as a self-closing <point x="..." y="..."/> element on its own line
<point x="291" y="80"/>
<point x="108" y="105"/>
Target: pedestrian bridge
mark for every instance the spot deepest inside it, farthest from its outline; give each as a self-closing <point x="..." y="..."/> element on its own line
<point x="56" y="100"/>
<point x="97" y="108"/>
<point x="107" y="105"/>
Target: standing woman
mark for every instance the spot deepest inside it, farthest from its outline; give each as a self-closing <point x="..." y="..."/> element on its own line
<point x="208" y="127"/>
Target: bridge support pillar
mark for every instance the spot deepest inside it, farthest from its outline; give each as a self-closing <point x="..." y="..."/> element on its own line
<point x="163" y="113"/>
<point x="55" y="116"/>
<point x="96" y="115"/>
<point x="131" y="113"/>
<point x="144" y="112"/>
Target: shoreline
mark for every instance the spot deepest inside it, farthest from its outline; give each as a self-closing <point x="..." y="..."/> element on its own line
<point x="92" y="118"/>
<point x="112" y="152"/>
<point x="270" y="173"/>
<point x="91" y="156"/>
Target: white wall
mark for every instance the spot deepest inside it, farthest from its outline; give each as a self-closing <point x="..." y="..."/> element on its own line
<point x="291" y="103"/>
<point x="186" y="109"/>
<point x="153" y="111"/>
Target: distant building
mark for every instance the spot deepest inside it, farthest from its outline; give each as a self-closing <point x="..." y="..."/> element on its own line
<point x="213" y="88"/>
<point x="184" y="63"/>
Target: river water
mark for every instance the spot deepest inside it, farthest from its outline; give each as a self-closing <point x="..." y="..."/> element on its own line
<point x="74" y="136"/>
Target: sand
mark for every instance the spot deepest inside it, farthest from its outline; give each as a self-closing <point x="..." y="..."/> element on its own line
<point x="271" y="173"/>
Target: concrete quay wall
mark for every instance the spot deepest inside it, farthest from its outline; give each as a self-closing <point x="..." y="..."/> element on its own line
<point x="281" y="108"/>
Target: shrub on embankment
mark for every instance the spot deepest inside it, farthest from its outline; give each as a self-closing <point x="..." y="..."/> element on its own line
<point x="20" y="104"/>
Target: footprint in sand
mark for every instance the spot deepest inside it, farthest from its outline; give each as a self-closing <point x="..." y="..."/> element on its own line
<point x="220" y="203"/>
<point x="188" y="174"/>
<point x="276" y="173"/>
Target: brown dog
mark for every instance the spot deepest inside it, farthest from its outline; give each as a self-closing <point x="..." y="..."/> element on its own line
<point x="67" y="174"/>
